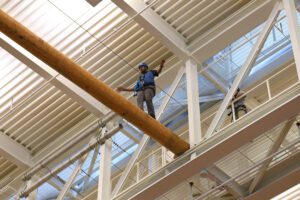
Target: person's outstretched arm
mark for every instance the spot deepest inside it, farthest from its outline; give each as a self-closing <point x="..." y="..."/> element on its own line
<point x="120" y="89"/>
<point x="161" y="67"/>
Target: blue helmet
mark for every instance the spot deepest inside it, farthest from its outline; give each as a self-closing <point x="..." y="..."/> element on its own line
<point x="143" y="64"/>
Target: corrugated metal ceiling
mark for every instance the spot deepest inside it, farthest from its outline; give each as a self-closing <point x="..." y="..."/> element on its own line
<point x="75" y="30"/>
<point x="193" y="18"/>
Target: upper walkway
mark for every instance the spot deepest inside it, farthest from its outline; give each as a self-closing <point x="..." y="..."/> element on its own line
<point x="275" y="108"/>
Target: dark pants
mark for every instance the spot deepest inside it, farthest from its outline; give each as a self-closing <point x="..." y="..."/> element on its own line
<point x="147" y="95"/>
<point x="237" y="110"/>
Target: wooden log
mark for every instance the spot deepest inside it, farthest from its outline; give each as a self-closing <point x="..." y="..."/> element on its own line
<point x="71" y="70"/>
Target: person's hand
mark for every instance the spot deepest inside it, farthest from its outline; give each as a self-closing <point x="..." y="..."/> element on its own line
<point x="120" y="89"/>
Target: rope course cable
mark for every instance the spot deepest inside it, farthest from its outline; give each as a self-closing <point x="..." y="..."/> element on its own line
<point x="101" y="42"/>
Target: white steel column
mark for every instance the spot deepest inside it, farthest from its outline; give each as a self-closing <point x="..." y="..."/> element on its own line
<point x="193" y="103"/>
<point x="293" y="25"/>
<point x="104" y="185"/>
<point x="245" y="69"/>
<point x="145" y="138"/>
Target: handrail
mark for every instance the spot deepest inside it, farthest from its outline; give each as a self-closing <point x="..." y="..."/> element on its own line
<point x="209" y="66"/>
<point x="160" y="167"/>
<point x="252" y="89"/>
<point x="244" y="172"/>
<point x="264" y="82"/>
<point x="206" y="147"/>
<point x="83" y="55"/>
<point x="208" y="117"/>
<point x="245" y="94"/>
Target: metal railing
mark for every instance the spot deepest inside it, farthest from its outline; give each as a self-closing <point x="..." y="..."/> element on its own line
<point x="262" y="94"/>
<point x="280" y="155"/>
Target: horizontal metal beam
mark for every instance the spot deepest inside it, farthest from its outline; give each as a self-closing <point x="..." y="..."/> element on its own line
<point x="60" y="82"/>
<point x="231" y="29"/>
<point x="244" y="70"/>
<point x="83" y="134"/>
<point x="164" y="33"/>
<point x="14" y="152"/>
<point x="219" y="82"/>
<point x="155" y="25"/>
<point x="78" y="155"/>
<point x="131" y="132"/>
<point x="202" y="99"/>
<point x="244" y="21"/>
<point x="249" y="127"/>
<point x="232" y="187"/>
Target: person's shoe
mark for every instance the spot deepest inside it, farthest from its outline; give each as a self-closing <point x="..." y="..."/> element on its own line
<point x="153" y="116"/>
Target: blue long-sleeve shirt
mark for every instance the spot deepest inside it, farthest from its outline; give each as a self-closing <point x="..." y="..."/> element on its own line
<point x="146" y="79"/>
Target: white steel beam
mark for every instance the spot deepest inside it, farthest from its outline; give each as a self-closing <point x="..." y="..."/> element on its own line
<point x="276" y="111"/>
<point x="171" y="91"/>
<point x="213" y="97"/>
<point x="104" y="184"/>
<point x="33" y="195"/>
<point x="245" y="69"/>
<point x="218" y="81"/>
<point x="195" y="135"/>
<point x="232" y="186"/>
<point x="131" y="132"/>
<point x="162" y="31"/>
<point x="62" y="83"/>
<point x="71" y="179"/>
<point x="130" y="165"/>
<point x="146" y="138"/>
<point x="278" y="179"/>
<point x="263" y="168"/>
<point x="91" y="167"/>
<point x="202" y="99"/>
<point x="68" y="87"/>
<point x="231" y="29"/>
<point x="293" y="26"/>
<point x="14" y="152"/>
<point x="155" y="25"/>
<point x="245" y="20"/>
